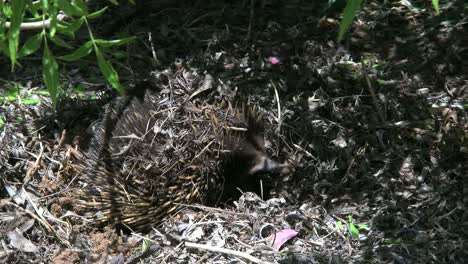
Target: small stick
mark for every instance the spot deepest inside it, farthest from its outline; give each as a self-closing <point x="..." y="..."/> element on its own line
<point x="144" y="237"/>
<point x="203" y="150"/>
<point x="66" y="189"/>
<point x="261" y="189"/>
<point x="153" y="51"/>
<point x="373" y="95"/>
<point x="278" y="105"/>
<point x="236" y="128"/>
<point x="227" y="252"/>
<point x="308" y="154"/>
<point x="33" y="170"/>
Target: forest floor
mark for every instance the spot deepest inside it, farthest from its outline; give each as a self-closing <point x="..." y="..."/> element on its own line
<point x="375" y="128"/>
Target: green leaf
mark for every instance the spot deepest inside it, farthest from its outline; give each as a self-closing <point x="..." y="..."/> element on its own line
<point x="50" y="74"/>
<point x="97" y="13"/>
<point x="1" y="122"/>
<point x="17" y="7"/>
<point x="119" y="55"/>
<point x="30" y="101"/>
<point x="115" y="42"/>
<point x="435" y="3"/>
<point x="114" y="2"/>
<point x="37" y="5"/>
<point x="53" y="12"/>
<point x="353" y="230"/>
<point x="43" y="92"/>
<point x="363" y="226"/>
<point x="2" y="22"/>
<point x="4" y="48"/>
<point x="59" y="41"/>
<point x="79" y="53"/>
<point x="7" y="11"/>
<point x="79" y="89"/>
<point x="69" y="29"/>
<point x="75" y="25"/>
<point x="72" y="8"/>
<point x="339" y="225"/>
<point x="352" y="6"/>
<point x="145" y="245"/>
<point x="68" y="8"/>
<point x="45" y="4"/>
<point x="62" y="28"/>
<point x="31" y="45"/>
<point x="32" y="8"/>
<point x="108" y="71"/>
<point x="12" y="94"/>
<point x="392" y="241"/>
<point x="80" y="4"/>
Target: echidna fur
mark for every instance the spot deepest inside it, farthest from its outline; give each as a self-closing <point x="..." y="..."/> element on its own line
<point x="141" y="169"/>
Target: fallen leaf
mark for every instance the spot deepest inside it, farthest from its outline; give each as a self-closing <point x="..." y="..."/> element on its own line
<point x="18" y="241"/>
<point x="274" y="60"/>
<point x="282" y="237"/>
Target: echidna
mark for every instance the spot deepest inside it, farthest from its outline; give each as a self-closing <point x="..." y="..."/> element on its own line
<point x="150" y="155"/>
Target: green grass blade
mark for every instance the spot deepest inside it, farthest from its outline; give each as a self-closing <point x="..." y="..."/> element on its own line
<point x="17" y="7"/>
<point x="435" y="3"/>
<point x="59" y="41"/>
<point x="50" y="74"/>
<point x="79" y="53"/>
<point x="30" y="101"/>
<point x="108" y="71"/>
<point x="353" y="230"/>
<point x="82" y="6"/>
<point x="31" y="45"/>
<point x="67" y="8"/>
<point x="352" y="6"/>
<point x="97" y="13"/>
<point x="115" y="42"/>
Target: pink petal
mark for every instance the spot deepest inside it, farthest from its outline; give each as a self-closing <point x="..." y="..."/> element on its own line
<point x="282" y="237"/>
<point x="274" y="60"/>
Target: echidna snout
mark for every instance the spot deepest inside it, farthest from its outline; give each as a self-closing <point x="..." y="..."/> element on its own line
<point x="245" y="167"/>
<point x="266" y="165"/>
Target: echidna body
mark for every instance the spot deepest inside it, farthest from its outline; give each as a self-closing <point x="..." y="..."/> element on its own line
<point x="150" y="156"/>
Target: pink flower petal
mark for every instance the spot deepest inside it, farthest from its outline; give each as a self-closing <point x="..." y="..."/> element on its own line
<point x="282" y="237"/>
<point x="274" y="60"/>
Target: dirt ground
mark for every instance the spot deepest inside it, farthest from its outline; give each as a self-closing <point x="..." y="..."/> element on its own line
<point x="375" y="128"/>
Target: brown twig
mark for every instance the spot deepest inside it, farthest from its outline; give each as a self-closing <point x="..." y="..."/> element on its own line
<point x="373" y="94"/>
<point x="34" y="168"/>
<point x="227" y="252"/>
